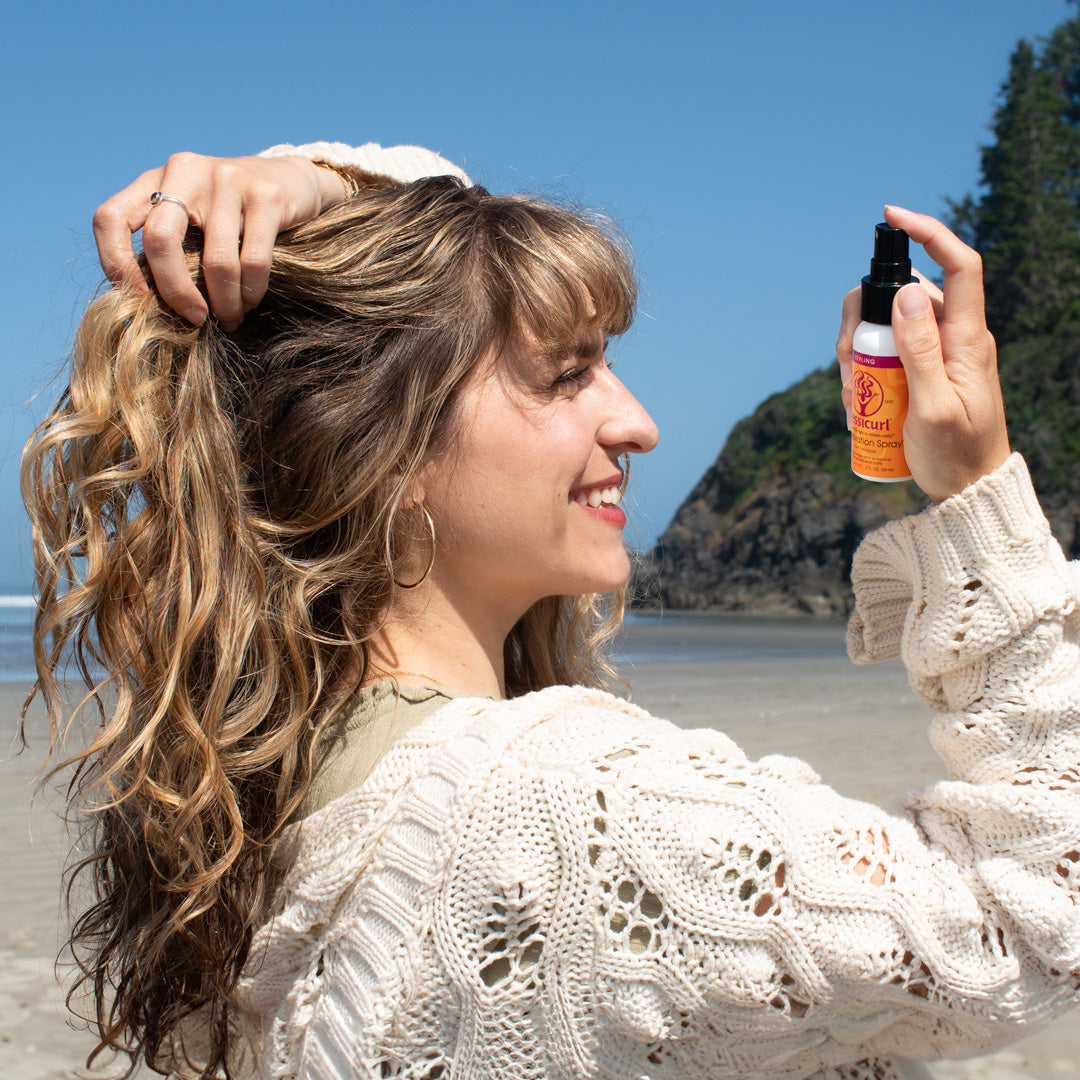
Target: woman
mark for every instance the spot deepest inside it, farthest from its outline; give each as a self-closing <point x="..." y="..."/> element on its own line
<point x="329" y="555"/>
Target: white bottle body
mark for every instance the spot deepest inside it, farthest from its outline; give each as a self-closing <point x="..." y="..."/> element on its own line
<point x="873" y="339"/>
<point x="879" y="390"/>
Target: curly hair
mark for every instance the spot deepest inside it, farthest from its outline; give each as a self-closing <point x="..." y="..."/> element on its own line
<point x="212" y="520"/>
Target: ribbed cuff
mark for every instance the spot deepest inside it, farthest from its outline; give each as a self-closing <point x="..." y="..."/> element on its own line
<point x="947" y="585"/>
<point x="401" y="163"/>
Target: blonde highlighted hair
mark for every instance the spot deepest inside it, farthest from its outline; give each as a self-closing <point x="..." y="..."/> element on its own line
<point x="212" y="515"/>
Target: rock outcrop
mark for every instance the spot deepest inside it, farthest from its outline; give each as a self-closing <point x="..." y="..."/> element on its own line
<point x="785" y="548"/>
<point x="772" y="525"/>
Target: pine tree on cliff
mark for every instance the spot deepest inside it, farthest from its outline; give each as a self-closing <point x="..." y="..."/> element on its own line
<point x="1062" y="56"/>
<point x="1026" y="223"/>
<point x="1027" y="227"/>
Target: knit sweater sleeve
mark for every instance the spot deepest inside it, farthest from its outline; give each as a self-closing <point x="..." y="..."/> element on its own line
<point x="401" y="164"/>
<point x="628" y="899"/>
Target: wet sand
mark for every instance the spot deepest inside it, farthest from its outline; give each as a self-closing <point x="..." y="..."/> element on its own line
<point x="774" y="687"/>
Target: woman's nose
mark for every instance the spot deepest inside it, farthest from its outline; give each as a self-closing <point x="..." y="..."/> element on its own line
<point x="628" y="427"/>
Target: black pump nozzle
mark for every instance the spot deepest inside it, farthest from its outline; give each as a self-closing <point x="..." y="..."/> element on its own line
<point x="890" y="271"/>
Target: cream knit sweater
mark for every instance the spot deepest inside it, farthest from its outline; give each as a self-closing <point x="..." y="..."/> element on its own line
<point x="402" y="163"/>
<point x="563" y="886"/>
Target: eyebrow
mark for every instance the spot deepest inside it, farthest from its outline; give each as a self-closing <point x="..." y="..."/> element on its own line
<point x="587" y="345"/>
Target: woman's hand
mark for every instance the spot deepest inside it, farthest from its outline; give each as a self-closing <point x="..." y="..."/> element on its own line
<point x="955" y="429"/>
<point x="240" y="204"/>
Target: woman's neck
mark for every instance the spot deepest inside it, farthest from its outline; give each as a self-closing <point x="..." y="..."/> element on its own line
<point x="432" y="639"/>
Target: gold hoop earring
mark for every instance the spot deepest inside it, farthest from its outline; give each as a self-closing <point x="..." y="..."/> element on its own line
<point x="390" y="558"/>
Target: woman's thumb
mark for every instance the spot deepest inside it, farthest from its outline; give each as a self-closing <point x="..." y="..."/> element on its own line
<point x="915" y="331"/>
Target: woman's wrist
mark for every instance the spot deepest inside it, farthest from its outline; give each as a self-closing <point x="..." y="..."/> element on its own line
<point x="335" y="185"/>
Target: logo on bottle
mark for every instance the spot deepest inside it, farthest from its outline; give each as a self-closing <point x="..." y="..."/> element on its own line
<point x="867" y="395"/>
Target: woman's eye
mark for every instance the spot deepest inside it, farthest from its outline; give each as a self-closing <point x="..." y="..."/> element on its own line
<point x="574" y="375"/>
<point x="589" y="359"/>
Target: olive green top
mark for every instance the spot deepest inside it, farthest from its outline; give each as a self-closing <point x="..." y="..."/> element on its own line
<point x="350" y="747"/>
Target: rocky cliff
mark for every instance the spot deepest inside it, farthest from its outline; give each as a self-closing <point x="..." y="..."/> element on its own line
<point x="772" y="525"/>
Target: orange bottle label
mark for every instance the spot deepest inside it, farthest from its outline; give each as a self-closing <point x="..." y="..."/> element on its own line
<point x="878" y="407"/>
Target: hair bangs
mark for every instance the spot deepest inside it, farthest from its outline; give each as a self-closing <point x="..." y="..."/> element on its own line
<point x="556" y="271"/>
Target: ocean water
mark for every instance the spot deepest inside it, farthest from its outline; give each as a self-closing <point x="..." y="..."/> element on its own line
<point x="16" y="625"/>
<point x="17" y="611"/>
<point x="676" y="637"/>
<point x="644" y="638"/>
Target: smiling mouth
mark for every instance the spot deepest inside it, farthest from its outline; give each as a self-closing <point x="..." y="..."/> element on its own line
<point x="599" y="496"/>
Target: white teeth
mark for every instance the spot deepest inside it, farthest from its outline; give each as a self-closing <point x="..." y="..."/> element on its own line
<point x="609" y="496"/>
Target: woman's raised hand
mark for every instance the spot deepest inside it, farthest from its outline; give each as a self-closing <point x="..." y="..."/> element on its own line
<point x="955" y="429"/>
<point x="240" y="204"/>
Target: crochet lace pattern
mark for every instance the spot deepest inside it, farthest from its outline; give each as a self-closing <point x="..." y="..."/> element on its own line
<point x="564" y="886"/>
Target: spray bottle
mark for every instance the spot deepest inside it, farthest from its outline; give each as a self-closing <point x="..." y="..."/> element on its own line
<point x="878" y="384"/>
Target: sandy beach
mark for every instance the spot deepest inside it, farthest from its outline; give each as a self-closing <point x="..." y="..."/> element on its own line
<point x="774" y="687"/>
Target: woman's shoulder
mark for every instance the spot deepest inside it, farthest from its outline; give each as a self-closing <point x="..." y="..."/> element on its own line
<point x="463" y="741"/>
<point x="421" y="795"/>
<point x="556" y="727"/>
<point x="436" y="771"/>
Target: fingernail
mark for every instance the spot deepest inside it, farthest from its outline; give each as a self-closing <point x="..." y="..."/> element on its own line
<point x="847" y="409"/>
<point x="845" y="374"/>
<point x="912" y="302"/>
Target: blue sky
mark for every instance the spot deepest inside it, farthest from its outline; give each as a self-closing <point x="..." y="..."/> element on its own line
<point x="745" y="148"/>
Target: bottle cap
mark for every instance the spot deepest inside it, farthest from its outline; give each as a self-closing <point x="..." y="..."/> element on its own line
<point x="890" y="271"/>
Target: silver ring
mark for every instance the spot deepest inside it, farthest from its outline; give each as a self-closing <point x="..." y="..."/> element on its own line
<point x="159" y="197"/>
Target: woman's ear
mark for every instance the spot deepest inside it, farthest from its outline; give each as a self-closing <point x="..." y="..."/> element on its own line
<point x="416" y="489"/>
<point x="408" y="491"/>
<point x="413" y="496"/>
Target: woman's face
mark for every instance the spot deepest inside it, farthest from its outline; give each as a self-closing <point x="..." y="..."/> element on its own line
<point x="526" y="503"/>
